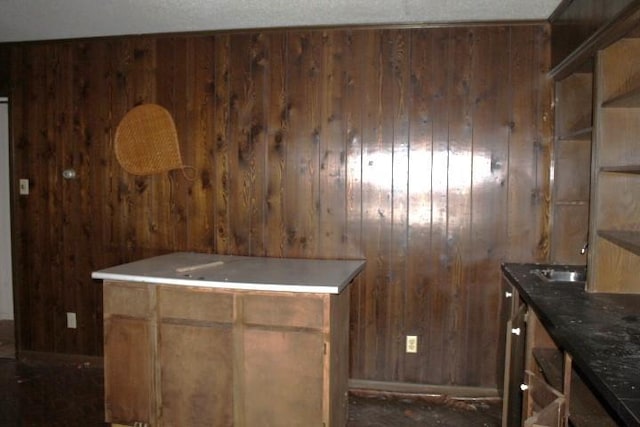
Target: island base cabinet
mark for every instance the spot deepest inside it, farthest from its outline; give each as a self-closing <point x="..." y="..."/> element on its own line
<point x="216" y="357"/>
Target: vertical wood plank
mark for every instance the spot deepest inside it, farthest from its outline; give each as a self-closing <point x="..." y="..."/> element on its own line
<point x="460" y="164"/>
<point x="354" y="92"/>
<point x="398" y="63"/>
<point x="376" y="206"/>
<point x="172" y="190"/>
<point x="488" y="198"/>
<point x="305" y="79"/>
<point x="437" y="261"/>
<point x="426" y="87"/>
<point x="277" y="117"/>
<point x="40" y="267"/>
<point x="119" y="187"/>
<point x="221" y="124"/>
<point x="259" y="66"/>
<point x="241" y="151"/>
<point x="526" y="200"/>
<point x="201" y="218"/>
<point x="332" y="210"/>
<point x="142" y="230"/>
<point x="86" y="200"/>
<point x="169" y="69"/>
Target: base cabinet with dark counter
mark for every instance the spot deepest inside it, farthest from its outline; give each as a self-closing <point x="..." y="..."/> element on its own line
<point x="579" y="362"/>
<point x="185" y="355"/>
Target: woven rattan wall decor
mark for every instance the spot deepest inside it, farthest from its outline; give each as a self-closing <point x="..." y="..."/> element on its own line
<point x="146" y="141"/>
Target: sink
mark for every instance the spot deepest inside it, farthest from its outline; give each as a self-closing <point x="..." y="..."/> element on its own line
<point x="558" y="275"/>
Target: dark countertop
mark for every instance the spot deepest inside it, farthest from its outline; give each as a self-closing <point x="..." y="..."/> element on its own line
<point x="600" y="331"/>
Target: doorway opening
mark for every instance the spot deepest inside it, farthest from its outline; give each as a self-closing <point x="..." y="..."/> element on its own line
<point x="7" y="326"/>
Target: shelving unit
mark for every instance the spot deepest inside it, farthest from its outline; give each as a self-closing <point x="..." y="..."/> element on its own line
<point x="614" y="254"/>
<point x="572" y="165"/>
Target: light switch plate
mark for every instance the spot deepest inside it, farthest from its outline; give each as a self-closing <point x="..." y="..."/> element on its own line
<point x="24" y="187"/>
<point x="71" y="320"/>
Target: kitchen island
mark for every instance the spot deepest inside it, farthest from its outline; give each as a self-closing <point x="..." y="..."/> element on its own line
<point x="201" y="339"/>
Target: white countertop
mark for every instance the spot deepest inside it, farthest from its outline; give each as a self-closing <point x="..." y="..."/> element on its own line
<point x="238" y="272"/>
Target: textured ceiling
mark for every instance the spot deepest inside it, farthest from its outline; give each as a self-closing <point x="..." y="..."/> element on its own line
<point x="22" y="20"/>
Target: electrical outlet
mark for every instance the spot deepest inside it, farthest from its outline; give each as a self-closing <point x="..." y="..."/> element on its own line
<point x="71" y="320"/>
<point x="412" y="344"/>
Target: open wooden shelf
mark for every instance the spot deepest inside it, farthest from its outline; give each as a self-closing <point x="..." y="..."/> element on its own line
<point x="629" y="99"/>
<point x="569" y="218"/>
<point x="614" y="242"/>
<point x="583" y="134"/>
<point x="572" y="203"/>
<point x="629" y="240"/>
<point x="630" y="169"/>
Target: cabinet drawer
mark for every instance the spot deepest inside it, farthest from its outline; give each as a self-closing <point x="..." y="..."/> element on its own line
<point x="302" y="311"/>
<point x="127" y="299"/>
<point x="195" y="304"/>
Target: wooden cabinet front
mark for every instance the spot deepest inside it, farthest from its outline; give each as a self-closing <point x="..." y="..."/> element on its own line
<point x="283" y="378"/>
<point x="129" y="336"/>
<point x="195" y="357"/>
<point x="283" y="337"/>
<point x="202" y="357"/>
<point x="196" y="374"/>
<point x="514" y="368"/>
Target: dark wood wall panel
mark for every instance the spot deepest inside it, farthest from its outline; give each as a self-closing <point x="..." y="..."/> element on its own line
<point x="422" y="150"/>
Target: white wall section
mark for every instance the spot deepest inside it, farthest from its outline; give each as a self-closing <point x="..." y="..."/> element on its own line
<point x="6" y="283"/>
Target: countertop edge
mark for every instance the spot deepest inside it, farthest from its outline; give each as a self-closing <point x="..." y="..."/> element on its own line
<point x="161" y="269"/>
<point x="265" y="287"/>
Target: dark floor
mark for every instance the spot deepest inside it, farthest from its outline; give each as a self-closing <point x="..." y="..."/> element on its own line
<point x="57" y="394"/>
<point x="7" y="348"/>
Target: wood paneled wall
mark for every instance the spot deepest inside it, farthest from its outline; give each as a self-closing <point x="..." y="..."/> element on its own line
<point x="425" y="151"/>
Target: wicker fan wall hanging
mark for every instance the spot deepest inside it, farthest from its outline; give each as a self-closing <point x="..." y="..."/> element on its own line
<point x="146" y="141"/>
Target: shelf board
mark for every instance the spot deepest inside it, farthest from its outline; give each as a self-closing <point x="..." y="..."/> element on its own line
<point x="629" y="240"/>
<point x="583" y="134"/>
<point x="571" y="203"/>
<point x="629" y="99"/>
<point x="629" y="169"/>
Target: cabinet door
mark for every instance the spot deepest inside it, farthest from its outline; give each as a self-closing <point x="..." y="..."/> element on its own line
<point x="196" y="377"/>
<point x="283" y="374"/>
<point x="514" y="369"/>
<point x="128" y="371"/>
<point x="507" y="309"/>
<point x="195" y="356"/>
<point x="129" y="337"/>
